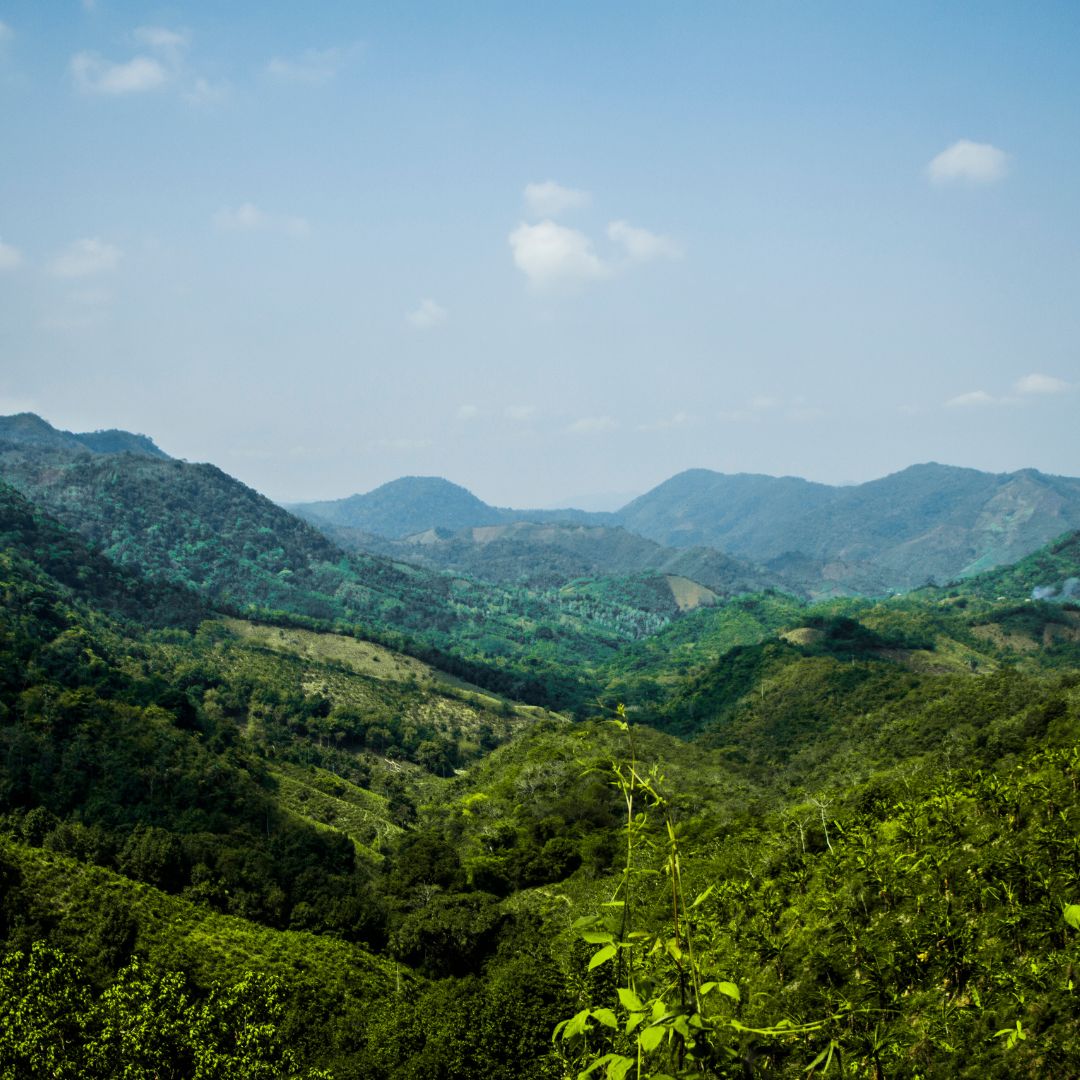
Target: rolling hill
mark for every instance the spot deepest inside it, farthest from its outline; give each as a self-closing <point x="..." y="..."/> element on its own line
<point x="548" y="555"/>
<point x="927" y="522"/>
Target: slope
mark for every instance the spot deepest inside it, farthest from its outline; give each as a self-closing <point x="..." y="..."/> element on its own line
<point x="928" y="521"/>
<point x="548" y="555"/>
<point x="194" y="526"/>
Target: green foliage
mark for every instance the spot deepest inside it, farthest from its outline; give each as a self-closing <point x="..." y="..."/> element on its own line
<point x="144" y="1024"/>
<point x="845" y="841"/>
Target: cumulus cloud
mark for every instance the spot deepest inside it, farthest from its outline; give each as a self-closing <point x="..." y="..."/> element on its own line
<point x="1040" y="384"/>
<point x="85" y="258"/>
<point x="588" y="425"/>
<point x="313" y="67"/>
<point x="428" y="314"/>
<point x="468" y="412"/>
<point x="247" y="217"/>
<point x="160" y="37"/>
<point x="10" y="256"/>
<point x="95" y="75"/>
<point x="641" y="245"/>
<point x="968" y="162"/>
<point x="549" y="200"/>
<point x="519" y="412"/>
<point x="551" y="254"/>
<point x="972" y="399"/>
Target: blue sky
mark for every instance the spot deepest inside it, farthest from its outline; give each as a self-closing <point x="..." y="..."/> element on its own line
<point x="546" y="251"/>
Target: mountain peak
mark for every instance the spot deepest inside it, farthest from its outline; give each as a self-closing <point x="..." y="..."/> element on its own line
<point x="405" y="507"/>
<point x="29" y="429"/>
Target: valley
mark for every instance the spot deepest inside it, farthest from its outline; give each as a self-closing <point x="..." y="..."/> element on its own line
<point x="408" y="785"/>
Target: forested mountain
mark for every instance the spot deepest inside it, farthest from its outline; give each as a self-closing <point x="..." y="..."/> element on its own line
<point x="830" y="837"/>
<point x="926" y="522"/>
<point x="194" y="526"/>
<point x="547" y="555"/>
<point x="28" y="429"/>
<point x="402" y="507"/>
<point x="415" y="504"/>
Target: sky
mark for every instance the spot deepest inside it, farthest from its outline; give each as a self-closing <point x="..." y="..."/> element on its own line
<point x="555" y="253"/>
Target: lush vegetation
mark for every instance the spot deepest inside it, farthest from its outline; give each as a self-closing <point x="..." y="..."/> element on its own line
<point x="833" y="839"/>
<point x="927" y="522"/>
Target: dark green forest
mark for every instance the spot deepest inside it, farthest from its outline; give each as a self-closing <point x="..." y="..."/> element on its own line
<point x="271" y="809"/>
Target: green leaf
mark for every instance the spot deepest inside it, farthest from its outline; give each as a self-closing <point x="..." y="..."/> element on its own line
<point x="651" y="1038"/>
<point x="603" y="956"/>
<point x="576" y="1025"/>
<point x="606" y="1017"/>
<point x="629" y="1000"/>
<point x="599" y="1063"/>
<point x="825" y="1056"/>
<point x="730" y="989"/>
<point x="594" y="937"/>
<point x="1072" y="915"/>
<point x="619" y="1066"/>
<point x="702" y="897"/>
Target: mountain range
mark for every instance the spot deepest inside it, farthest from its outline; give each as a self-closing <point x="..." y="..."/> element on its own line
<point x="299" y="811"/>
<point x="727" y="533"/>
<point x="929" y="522"/>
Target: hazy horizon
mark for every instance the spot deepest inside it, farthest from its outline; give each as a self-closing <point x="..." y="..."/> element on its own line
<point x="545" y="252"/>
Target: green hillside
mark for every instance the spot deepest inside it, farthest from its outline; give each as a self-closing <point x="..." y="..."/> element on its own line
<point x="539" y="556"/>
<point x="838" y="835"/>
<point x="927" y="522"/>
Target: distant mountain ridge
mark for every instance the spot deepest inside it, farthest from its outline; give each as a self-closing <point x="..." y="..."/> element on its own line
<point x="416" y="504"/>
<point x="926" y="522"/>
<point x="28" y="429"/>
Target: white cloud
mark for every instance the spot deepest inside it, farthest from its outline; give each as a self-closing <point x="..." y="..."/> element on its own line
<point x="204" y="92"/>
<point x="519" y="412"/>
<point x="468" y="412"/>
<point x="1040" y="384"/>
<point x="974" y="398"/>
<point x="84" y="258"/>
<point x="755" y="410"/>
<point x="95" y="75"/>
<point x="668" y="423"/>
<point x="10" y="256"/>
<point x="549" y="254"/>
<point x="587" y="425"/>
<point x="160" y="37"/>
<point x="428" y="314"/>
<point x="6" y="33"/>
<point x="315" y="67"/>
<point x="970" y="162"/>
<point x="548" y="200"/>
<point x="641" y="245"/>
<point x="249" y="218"/>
